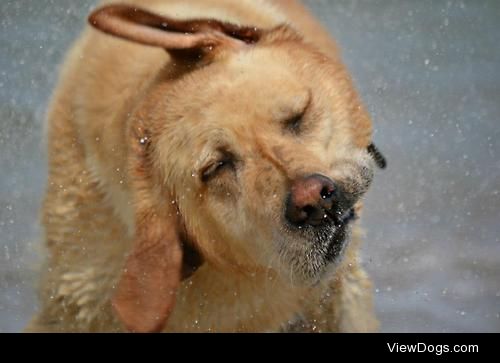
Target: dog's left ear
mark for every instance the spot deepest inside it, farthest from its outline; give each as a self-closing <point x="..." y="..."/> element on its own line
<point x="191" y="36"/>
<point x="145" y="295"/>
<point x="377" y="156"/>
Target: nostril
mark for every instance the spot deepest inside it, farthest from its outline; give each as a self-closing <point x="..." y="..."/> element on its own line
<point x="326" y="192"/>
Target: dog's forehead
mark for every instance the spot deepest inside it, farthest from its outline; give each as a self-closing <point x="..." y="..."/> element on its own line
<point x="270" y="63"/>
<point x="256" y="92"/>
<point x="255" y="83"/>
<point x="241" y="96"/>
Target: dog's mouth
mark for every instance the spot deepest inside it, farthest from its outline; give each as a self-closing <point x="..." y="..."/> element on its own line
<point x="191" y="258"/>
<point x="347" y="217"/>
<point x="338" y="233"/>
<point x="316" y="250"/>
<point x="329" y="239"/>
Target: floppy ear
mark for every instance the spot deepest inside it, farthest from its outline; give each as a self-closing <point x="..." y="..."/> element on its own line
<point x="145" y="295"/>
<point x="141" y="26"/>
<point x="377" y="156"/>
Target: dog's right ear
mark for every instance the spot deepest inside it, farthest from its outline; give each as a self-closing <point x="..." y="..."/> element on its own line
<point x="145" y="295"/>
<point x="144" y="27"/>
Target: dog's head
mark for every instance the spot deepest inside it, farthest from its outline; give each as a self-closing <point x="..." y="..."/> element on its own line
<point x="252" y="148"/>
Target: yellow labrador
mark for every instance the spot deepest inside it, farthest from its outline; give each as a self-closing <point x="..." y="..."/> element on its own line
<point x="206" y="164"/>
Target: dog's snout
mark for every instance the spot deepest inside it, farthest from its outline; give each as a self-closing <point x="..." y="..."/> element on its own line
<point x="310" y="200"/>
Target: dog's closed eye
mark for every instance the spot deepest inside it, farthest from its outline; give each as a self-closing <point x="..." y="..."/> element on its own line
<point x="292" y="113"/>
<point x="294" y="123"/>
<point x="216" y="167"/>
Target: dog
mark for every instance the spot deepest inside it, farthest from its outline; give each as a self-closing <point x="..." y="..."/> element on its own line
<point x="207" y="162"/>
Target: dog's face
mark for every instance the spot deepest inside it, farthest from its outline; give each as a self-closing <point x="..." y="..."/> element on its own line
<point x="266" y="154"/>
<point x="251" y="147"/>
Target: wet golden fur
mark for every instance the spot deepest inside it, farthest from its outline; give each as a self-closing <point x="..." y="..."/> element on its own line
<point x="113" y="93"/>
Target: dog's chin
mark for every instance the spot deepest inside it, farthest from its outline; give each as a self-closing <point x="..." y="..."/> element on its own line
<point x="324" y="251"/>
<point x="330" y="253"/>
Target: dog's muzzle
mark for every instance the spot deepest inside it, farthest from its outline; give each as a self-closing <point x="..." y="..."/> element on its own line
<point x="320" y="208"/>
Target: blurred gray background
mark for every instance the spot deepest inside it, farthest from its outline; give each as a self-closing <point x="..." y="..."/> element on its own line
<point x="429" y="71"/>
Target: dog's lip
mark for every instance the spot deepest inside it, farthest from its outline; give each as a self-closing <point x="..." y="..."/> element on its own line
<point x="342" y="221"/>
<point x="347" y="217"/>
<point x="338" y="238"/>
<point x="338" y="219"/>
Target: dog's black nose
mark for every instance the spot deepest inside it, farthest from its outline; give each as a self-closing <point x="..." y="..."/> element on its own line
<point x="311" y="200"/>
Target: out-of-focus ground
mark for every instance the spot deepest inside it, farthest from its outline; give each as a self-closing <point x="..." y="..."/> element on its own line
<point x="429" y="71"/>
